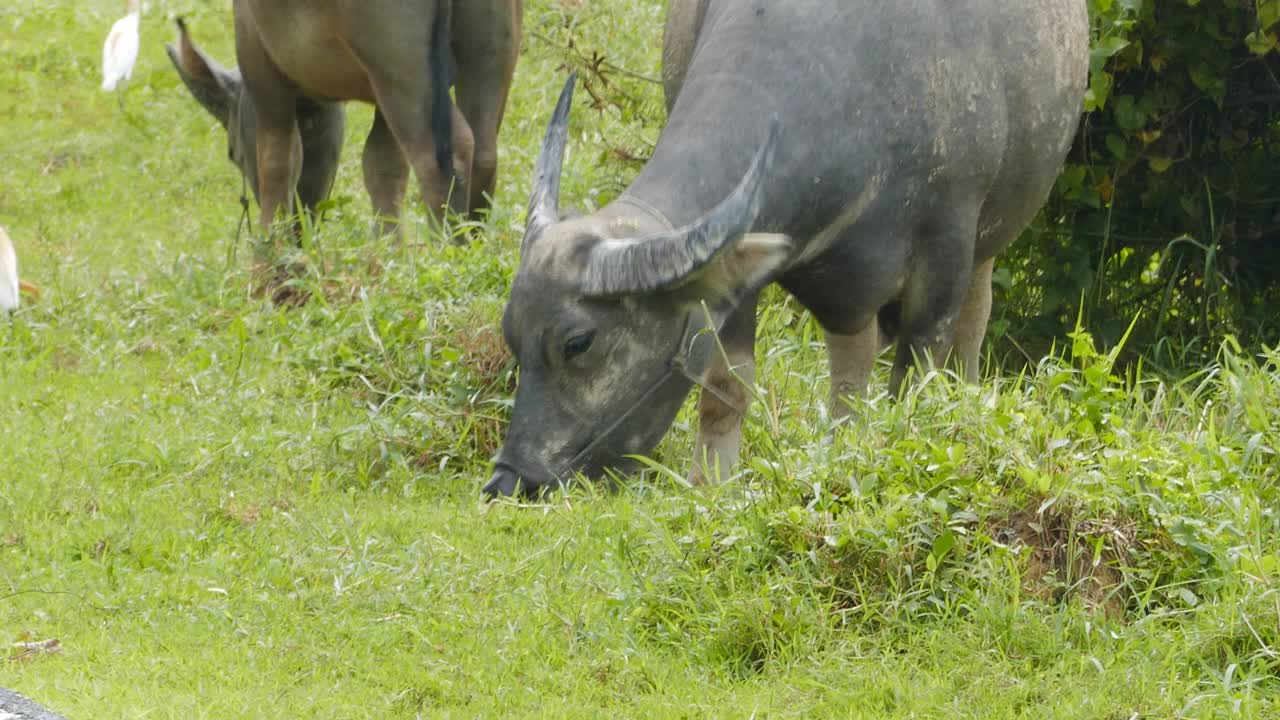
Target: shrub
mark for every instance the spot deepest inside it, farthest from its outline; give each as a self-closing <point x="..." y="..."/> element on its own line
<point x="1169" y="207"/>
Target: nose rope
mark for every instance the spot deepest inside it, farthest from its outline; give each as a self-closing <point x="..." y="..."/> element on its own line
<point x="677" y="364"/>
<point x="244" y="212"/>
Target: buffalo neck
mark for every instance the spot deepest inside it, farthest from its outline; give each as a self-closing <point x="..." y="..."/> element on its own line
<point x="743" y="76"/>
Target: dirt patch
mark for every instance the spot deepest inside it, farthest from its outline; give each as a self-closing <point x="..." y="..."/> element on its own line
<point x="244" y="514"/>
<point x="484" y="352"/>
<point x="1071" y="557"/>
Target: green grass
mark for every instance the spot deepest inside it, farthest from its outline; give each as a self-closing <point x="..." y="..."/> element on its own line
<point x="222" y="508"/>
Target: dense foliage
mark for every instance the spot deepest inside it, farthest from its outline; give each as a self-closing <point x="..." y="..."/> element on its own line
<point x="1169" y="208"/>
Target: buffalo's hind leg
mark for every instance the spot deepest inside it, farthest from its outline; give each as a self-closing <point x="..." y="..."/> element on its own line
<point x="323" y="130"/>
<point x="938" y="280"/>
<point x="720" y="423"/>
<point x="972" y="325"/>
<point x="386" y="173"/>
<point x="397" y="70"/>
<point x="486" y="44"/>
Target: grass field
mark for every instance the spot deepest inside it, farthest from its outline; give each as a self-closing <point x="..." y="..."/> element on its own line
<point x="225" y="509"/>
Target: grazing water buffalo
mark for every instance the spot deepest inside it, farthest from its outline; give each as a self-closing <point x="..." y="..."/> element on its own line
<point x="299" y="59"/>
<point x="862" y="155"/>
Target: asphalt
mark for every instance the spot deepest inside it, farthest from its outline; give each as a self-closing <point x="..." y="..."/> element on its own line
<point x="16" y="707"/>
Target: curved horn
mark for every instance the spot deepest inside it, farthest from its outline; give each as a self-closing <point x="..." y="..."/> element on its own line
<point x="665" y="261"/>
<point x="544" y="200"/>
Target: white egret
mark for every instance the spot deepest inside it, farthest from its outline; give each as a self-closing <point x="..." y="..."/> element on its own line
<point x="10" y="286"/>
<point x="120" y="51"/>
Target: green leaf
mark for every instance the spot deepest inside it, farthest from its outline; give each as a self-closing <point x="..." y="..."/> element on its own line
<point x="1105" y="49"/>
<point x="1128" y="115"/>
<point x="1268" y="13"/>
<point x="943" y="543"/>
<point x="1210" y="80"/>
<point x="1002" y="278"/>
<point x="1117" y="145"/>
<point x="1099" y="90"/>
<point x="1260" y="43"/>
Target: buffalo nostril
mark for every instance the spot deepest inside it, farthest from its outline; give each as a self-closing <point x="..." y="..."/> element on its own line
<point x="502" y="484"/>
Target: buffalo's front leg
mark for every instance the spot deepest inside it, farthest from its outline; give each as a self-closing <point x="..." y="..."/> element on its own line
<point x="720" y="422"/>
<point x="851" y="358"/>
<point x="679" y="37"/>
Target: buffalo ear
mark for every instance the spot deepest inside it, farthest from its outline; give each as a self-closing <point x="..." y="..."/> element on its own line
<point x="215" y="87"/>
<point x="746" y="265"/>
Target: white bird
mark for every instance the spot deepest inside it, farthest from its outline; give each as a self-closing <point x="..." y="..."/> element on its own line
<point x="120" y="51"/>
<point x="10" y="286"/>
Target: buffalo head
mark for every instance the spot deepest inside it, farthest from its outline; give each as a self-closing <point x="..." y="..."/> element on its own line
<point x="611" y="318"/>
<point x="221" y="91"/>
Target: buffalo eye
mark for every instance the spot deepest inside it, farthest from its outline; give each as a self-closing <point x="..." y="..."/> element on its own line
<point x="578" y="344"/>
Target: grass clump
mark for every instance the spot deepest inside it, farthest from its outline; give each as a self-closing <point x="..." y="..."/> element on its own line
<point x="1065" y="495"/>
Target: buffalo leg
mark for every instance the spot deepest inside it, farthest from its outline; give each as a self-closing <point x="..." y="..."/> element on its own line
<point x="720" y="424"/>
<point x="386" y="172"/>
<point x="972" y="325"/>
<point x="404" y="100"/>
<point x="279" y="146"/>
<point x="851" y="358"/>
<point x="486" y="44"/>
<point x="933" y="296"/>
<point x="323" y="130"/>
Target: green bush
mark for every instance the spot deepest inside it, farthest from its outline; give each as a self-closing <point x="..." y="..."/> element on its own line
<point x="1168" y="210"/>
